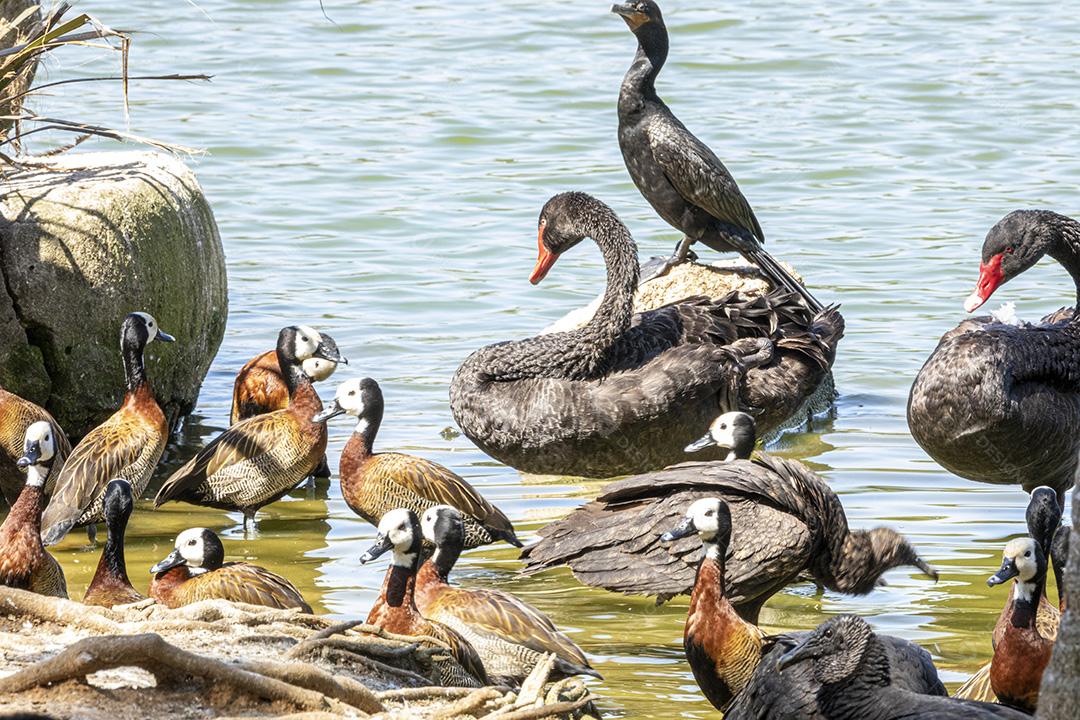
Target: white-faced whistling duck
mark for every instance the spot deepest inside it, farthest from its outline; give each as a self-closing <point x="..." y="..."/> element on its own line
<point x="395" y="609"/>
<point x="24" y="562"/>
<point x="260" y="386"/>
<point x="196" y="570"/>
<point x="510" y="635"/>
<point x="127" y="445"/>
<point x="111" y="585"/>
<point x="375" y="483"/>
<point x="17" y="414"/>
<point x="786" y="522"/>
<point x="260" y="459"/>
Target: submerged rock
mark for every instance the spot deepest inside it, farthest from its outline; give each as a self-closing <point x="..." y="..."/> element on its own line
<point x="86" y="239"/>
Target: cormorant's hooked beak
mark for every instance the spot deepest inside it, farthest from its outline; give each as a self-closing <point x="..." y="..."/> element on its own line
<point x="800" y="653"/>
<point x="329" y="352"/>
<point x="172" y="560"/>
<point x="382" y="544"/>
<point x="31" y="454"/>
<point x="633" y="18"/>
<point x="684" y="529"/>
<point x="990" y="277"/>
<point x="331" y="411"/>
<point x="1007" y="572"/>
<point x="544" y="258"/>
<point x="701" y="444"/>
<point x="164" y="336"/>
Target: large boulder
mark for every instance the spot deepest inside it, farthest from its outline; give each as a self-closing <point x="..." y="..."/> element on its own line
<point x="86" y="239"/>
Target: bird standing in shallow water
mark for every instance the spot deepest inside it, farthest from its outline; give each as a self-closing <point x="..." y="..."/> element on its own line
<point x="111" y="585"/>
<point x="678" y="174"/>
<point x="128" y="445"/>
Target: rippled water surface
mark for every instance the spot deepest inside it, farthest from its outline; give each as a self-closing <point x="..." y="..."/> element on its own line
<point x="380" y="176"/>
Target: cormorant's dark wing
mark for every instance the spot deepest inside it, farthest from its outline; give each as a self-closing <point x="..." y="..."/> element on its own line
<point x="699" y="176"/>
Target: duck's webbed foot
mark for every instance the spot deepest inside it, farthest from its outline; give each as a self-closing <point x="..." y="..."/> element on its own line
<point x="659" y="266"/>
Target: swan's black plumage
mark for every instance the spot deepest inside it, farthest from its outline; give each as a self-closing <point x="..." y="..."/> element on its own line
<point x="786" y="521"/>
<point x="989" y="387"/>
<point x="626" y="393"/>
<point x="683" y="180"/>
<point x="792" y="694"/>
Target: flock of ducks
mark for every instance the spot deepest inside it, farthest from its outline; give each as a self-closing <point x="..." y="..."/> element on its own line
<point x="624" y="394"/>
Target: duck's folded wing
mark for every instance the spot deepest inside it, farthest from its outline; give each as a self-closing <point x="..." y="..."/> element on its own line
<point x="244" y="583"/>
<point x="505" y="616"/>
<point x="101" y="456"/>
<point x="246" y="440"/>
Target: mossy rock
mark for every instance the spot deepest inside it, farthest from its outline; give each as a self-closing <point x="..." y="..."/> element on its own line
<point x="86" y="239"/>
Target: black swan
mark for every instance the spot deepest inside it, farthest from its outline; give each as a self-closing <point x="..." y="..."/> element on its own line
<point x="990" y="387"/>
<point x="625" y="393"/>
<point x="785" y="522"/>
<point x="853" y="669"/>
<point x="678" y="174"/>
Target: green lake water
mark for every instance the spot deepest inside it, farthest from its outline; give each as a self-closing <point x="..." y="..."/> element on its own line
<point x="379" y="176"/>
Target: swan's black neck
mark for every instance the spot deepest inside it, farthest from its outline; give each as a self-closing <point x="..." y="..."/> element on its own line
<point x="613" y="316"/>
<point x="1066" y="250"/>
<point x="134" y="367"/>
<point x="652" y="52"/>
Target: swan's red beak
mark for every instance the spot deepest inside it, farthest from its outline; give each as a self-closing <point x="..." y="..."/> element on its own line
<point x="544" y="259"/>
<point x="990" y="276"/>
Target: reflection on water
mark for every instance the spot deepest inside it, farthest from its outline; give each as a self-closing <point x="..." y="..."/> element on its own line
<point x="380" y="177"/>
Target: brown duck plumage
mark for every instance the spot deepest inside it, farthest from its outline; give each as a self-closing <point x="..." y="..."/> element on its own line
<point x="510" y="635"/>
<point x="260" y="459"/>
<point x="786" y="522"/>
<point x="195" y="570"/>
<point x="17" y="414"/>
<point x="375" y="483"/>
<point x="24" y="562"/>
<point x="128" y="445"/>
<point x="571" y="403"/>
<point x="395" y="609"/>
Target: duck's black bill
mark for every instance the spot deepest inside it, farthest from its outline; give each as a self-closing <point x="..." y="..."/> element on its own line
<point x="381" y="546"/>
<point x="329" y="351"/>
<point x="705" y="442"/>
<point x="331" y="412"/>
<point x="164" y="336"/>
<point x="684" y="529"/>
<point x="799" y="653"/>
<point x="1007" y="572"/>
<point x="173" y="559"/>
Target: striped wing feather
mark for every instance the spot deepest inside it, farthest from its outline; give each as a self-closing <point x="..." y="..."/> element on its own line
<point x="438" y="484"/>
<point x="101" y="456"/>
<point x="246" y="440"/>
<point x="463" y="651"/>
<point x="501" y="614"/>
<point x="245" y="583"/>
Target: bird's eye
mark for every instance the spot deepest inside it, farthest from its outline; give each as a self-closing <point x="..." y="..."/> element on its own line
<point x="190" y="542"/>
<point x="303" y="338"/>
<point x="1010" y="250"/>
<point x="828" y="633"/>
<point x="723" y="426"/>
<point x="352" y="392"/>
<point x="1027" y="554"/>
<point x="47" y="438"/>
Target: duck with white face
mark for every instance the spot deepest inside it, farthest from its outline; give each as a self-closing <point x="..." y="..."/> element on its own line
<point x="24" y="563"/>
<point x="735" y="432"/>
<point x="395" y="609"/>
<point x="196" y="570"/>
<point x="374" y="483"/>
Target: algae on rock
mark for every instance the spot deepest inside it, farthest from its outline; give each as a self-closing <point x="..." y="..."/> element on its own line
<point x="86" y="239"/>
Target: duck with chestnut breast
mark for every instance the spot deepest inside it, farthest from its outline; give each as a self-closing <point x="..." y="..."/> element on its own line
<point x="724" y="650"/>
<point x="258" y="460"/>
<point x="679" y="175"/>
<point x="572" y="402"/>
<point x="511" y="636"/>
<point x="989" y="383"/>
<point x="16" y="415"/>
<point x="852" y="667"/>
<point x="395" y="609"/>
<point x="24" y="562"/>
<point x="374" y="483"/>
<point x="127" y="445"/>
<point x="111" y="585"/>
<point x="786" y="522"/>
<point x="196" y="570"/>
